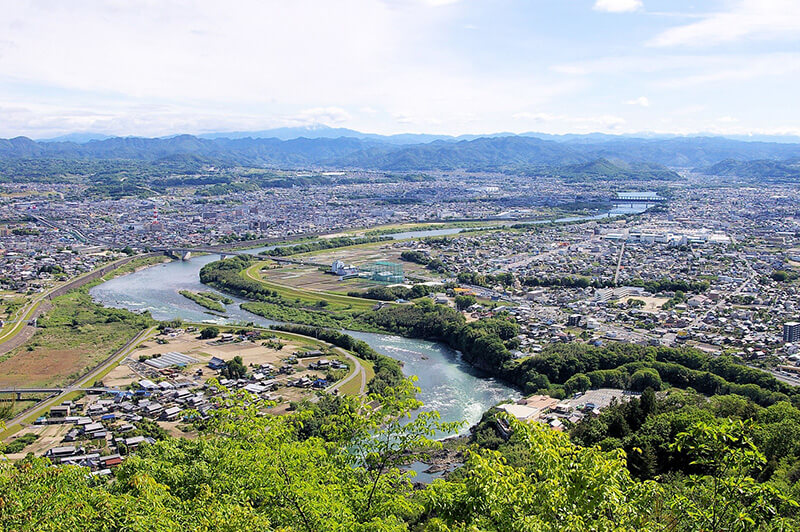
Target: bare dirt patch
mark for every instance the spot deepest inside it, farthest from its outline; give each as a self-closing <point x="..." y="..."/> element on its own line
<point x="49" y="436"/>
<point x="39" y="367"/>
<point x="651" y="304"/>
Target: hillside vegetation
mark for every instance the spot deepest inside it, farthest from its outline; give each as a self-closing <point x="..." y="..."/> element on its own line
<point x="335" y="466"/>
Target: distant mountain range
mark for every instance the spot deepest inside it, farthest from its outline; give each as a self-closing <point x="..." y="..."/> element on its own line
<point x="322" y="132"/>
<point x="342" y="148"/>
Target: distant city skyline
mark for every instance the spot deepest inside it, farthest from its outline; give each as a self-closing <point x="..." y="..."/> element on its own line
<point x="146" y="68"/>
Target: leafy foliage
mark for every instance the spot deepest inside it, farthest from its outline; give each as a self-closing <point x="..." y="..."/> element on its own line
<point x="209" y="332"/>
<point x="336" y="465"/>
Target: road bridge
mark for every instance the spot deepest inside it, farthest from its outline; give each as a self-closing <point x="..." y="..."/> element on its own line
<point x="186" y="253"/>
<point x="19" y="392"/>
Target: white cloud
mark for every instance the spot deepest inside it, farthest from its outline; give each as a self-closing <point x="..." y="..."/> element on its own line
<point x="147" y="67"/>
<point x="559" y="123"/>
<point x="437" y="3"/>
<point x="641" y="101"/>
<point x="47" y="120"/>
<point x="737" y="68"/>
<point x="618" y="6"/>
<point x="270" y="60"/>
<point x="323" y="115"/>
<point x="683" y="70"/>
<point x="760" y="19"/>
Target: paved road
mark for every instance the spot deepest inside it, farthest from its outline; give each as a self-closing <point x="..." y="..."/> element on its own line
<point x="619" y="263"/>
<point x="787" y="379"/>
<point x="359" y="370"/>
<point x="22" y="316"/>
<point x="81" y="383"/>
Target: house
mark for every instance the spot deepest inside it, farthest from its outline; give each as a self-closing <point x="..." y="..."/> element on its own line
<point x="111" y="460"/>
<point x="171" y="413"/>
<point x="255" y="388"/>
<point x="92" y="427"/>
<point x="134" y="442"/>
<point x="148" y="384"/>
<point x="60" y="411"/>
<point x="86" y="460"/>
<point x="216" y="363"/>
<point x="153" y="409"/>
<point x="60" y="452"/>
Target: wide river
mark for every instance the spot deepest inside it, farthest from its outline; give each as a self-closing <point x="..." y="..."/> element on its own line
<point x="448" y="384"/>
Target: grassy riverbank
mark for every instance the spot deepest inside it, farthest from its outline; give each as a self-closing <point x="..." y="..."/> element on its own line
<point x="208" y="300"/>
<point x="74" y="335"/>
<point x="136" y="265"/>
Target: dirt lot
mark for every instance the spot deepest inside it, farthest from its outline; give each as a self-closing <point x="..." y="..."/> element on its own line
<point x="651" y="304"/>
<point x="39" y="367"/>
<point x="49" y="436"/>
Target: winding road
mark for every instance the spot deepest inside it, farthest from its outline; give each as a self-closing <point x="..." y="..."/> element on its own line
<point x="359" y="370"/>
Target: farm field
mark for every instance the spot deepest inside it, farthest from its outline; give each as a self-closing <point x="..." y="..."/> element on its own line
<point x="310" y="283"/>
<point x="306" y="284"/>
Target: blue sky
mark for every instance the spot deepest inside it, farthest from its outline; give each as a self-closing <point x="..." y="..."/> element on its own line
<point x="157" y="67"/>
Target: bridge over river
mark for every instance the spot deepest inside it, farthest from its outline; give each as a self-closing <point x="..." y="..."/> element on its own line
<point x="19" y="392"/>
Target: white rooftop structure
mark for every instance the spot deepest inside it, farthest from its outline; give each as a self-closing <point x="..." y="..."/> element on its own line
<point x="170" y="359"/>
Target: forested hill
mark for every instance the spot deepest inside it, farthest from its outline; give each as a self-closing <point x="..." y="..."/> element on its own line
<point x="483" y="153"/>
<point x="777" y="171"/>
<point x="605" y="169"/>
